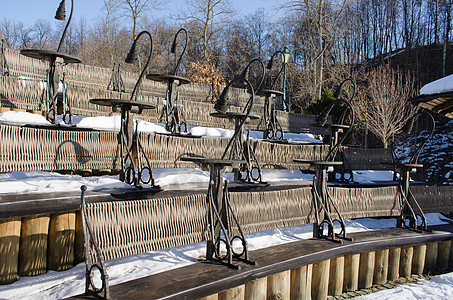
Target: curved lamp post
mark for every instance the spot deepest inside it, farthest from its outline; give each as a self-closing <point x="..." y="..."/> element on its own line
<point x="173" y="48"/>
<point x="61" y="15"/>
<point x="175" y="121"/>
<point x="132" y="57"/>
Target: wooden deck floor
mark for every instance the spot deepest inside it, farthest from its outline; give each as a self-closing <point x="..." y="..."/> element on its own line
<point x="204" y="279"/>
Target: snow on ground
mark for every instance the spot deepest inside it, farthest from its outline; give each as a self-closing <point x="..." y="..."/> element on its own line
<point x="439" y="287"/>
<point x="442" y="85"/>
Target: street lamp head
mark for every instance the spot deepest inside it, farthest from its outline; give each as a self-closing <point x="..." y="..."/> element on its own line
<point x="132" y="54"/>
<point x="61" y="11"/>
<point x="285" y="55"/>
<point x="270" y="64"/>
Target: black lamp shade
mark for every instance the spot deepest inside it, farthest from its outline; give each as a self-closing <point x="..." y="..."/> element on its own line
<point x="223" y="101"/>
<point x="132" y="55"/>
<point x="173" y="46"/>
<point x="61" y="12"/>
<point x="270" y="63"/>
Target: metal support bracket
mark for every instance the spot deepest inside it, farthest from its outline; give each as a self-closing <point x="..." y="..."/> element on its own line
<point x="325" y="206"/>
<point x="220" y="240"/>
<point x="135" y="166"/>
<point x="411" y="212"/>
<point x="91" y="268"/>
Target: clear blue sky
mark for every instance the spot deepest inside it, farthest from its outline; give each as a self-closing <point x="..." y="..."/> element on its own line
<point x="28" y="11"/>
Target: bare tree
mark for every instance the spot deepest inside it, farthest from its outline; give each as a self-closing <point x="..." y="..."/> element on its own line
<point x="41" y="34"/>
<point x="383" y="107"/>
<point x="317" y="21"/>
<point x="206" y="17"/>
<point x="136" y="8"/>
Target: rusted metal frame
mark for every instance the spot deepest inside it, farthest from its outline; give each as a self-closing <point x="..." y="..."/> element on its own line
<point x="410" y="208"/>
<point x="51" y="95"/>
<point x="251" y="160"/>
<point x="271" y="124"/>
<point x="140" y="153"/>
<point x="126" y="141"/>
<point x="116" y="81"/>
<point x="90" y="266"/>
<point x="173" y="114"/>
<point x="131" y="168"/>
<point x="52" y="86"/>
<point x="323" y="203"/>
<point x="219" y="213"/>
<point x="408" y="203"/>
<point x="321" y="197"/>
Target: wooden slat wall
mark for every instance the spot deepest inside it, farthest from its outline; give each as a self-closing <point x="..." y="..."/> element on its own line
<point x="34" y="149"/>
<point x="24" y="89"/>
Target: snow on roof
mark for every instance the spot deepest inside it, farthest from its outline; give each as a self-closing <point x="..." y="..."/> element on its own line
<point x="441" y="85"/>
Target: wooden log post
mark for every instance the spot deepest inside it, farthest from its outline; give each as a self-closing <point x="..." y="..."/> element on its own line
<point x="301" y="283"/>
<point x="366" y="269"/>
<point x="406" y="261"/>
<point x="278" y="285"/>
<point x="443" y="255"/>
<point x="61" y="241"/>
<point x="9" y="250"/>
<point x="351" y="273"/>
<point x="320" y="280"/>
<point x="336" y="276"/>
<point x="33" y="246"/>
<point x="418" y="260"/>
<point x="236" y="293"/>
<point x="394" y="264"/>
<point x="256" y="289"/>
<point x="381" y="266"/>
<point x="451" y="254"/>
<point x="431" y="257"/>
<point x="79" y="252"/>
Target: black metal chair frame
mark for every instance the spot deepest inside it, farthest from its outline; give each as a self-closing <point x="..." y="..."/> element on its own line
<point x="273" y="130"/>
<point x="116" y="81"/>
<point x="410" y="209"/>
<point x="219" y="209"/>
<point x="172" y="112"/>
<point x="323" y="202"/>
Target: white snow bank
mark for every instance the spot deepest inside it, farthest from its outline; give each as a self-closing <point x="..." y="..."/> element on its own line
<point x="42" y="182"/>
<point x="113" y="123"/>
<point x="22" y="118"/>
<point x="46" y="182"/>
<point x="441" y="85"/>
<point x="439" y="287"/>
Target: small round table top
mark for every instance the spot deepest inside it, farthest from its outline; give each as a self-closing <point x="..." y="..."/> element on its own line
<point x="49" y="54"/>
<point x="318" y="162"/>
<point x="168" y="77"/>
<point x="265" y="92"/>
<point x="122" y="102"/>
<point x="216" y="161"/>
<point x="233" y="114"/>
